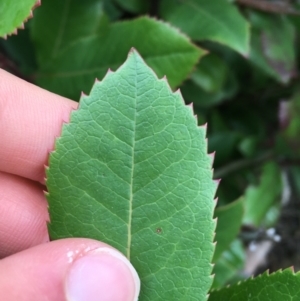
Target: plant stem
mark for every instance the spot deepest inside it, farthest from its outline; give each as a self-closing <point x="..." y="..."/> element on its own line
<point x="241" y="164"/>
<point x="277" y="7"/>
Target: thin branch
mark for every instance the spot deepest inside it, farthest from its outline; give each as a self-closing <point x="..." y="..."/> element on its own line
<point x="242" y="164"/>
<point x="276" y="7"/>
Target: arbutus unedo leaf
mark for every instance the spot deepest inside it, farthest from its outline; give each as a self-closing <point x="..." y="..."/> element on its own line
<point x="131" y="169"/>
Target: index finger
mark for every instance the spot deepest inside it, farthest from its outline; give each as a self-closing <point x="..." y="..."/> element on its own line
<point x="30" y="119"/>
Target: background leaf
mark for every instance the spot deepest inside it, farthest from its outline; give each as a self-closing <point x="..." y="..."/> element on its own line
<point x="216" y="20"/>
<point x="165" y="50"/>
<point x="209" y="86"/>
<point x="228" y="226"/>
<point x="131" y="169"/>
<point x="260" y="198"/>
<point x="272" y="45"/>
<point x="229" y="266"/>
<point x="64" y="22"/>
<point x="282" y="285"/>
<point x="288" y="144"/>
<point x="210" y="80"/>
<point x="13" y="14"/>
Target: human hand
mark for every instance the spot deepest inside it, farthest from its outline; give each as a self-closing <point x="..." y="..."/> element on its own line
<point x="33" y="268"/>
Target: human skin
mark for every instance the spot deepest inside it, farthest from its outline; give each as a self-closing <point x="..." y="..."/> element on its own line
<point x="31" y="267"/>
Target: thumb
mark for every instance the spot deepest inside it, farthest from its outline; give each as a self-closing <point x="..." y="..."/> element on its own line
<point x="70" y="269"/>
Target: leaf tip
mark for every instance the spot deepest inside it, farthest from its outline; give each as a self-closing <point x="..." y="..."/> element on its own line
<point x="165" y="79"/>
<point x="82" y="94"/>
<point x="177" y="92"/>
<point x="203" y="127"/>
<point x="217" y="183"/>
<point x="212" y="157"/>
<point x="37" y="4"/>
<point x="132" y="50"/>
<point x="191" y="105"/>
<point x="292" y="269"/>
<point x="30" y="15"/>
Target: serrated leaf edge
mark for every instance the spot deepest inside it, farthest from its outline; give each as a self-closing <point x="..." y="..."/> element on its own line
<point x="252" y="278"/>
<point x="22" y="25"/>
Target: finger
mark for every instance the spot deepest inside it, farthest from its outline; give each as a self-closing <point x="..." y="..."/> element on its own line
<point x="30" y="119"/>
<point x="23" y="214"/>
<point x="70" y="269"/>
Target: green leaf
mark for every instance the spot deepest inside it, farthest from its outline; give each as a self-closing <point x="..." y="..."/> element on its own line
<point x="222" y="139"/>
<point x="288" y="139"/>
<point x="64" y="22"/>
<point x="260" y="198"/>
<point x="272" y="46"/>
<point x="292" y="130"/>
<point x="279" y="286"/>
<point x="13" y="14"/>
<point x="229" y="222"/>
<point x="217" y="21"/>
<point x="165" y="50"/>
<point x="131" y="169"/>
<point x="200" y="99"/>
<point x="295" y="173"/>
<point x="210" y="79"/>
<point x="210" y="86"/>
<point x="229" y="266"/>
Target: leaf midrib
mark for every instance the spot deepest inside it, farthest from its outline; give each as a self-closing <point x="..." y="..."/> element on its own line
<point x="129" y="236"/>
